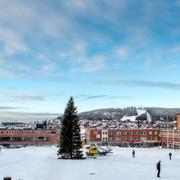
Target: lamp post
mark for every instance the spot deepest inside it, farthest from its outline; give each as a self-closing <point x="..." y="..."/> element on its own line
<point x="167" y="134"/>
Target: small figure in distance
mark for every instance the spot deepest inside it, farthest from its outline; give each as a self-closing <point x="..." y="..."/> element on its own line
<point x="170" y="155"/>
<point x="133" y="153"/>
<point x="158" y="167"/>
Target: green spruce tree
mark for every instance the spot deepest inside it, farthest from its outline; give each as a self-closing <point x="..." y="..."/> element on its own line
<point x="70" y="139"/>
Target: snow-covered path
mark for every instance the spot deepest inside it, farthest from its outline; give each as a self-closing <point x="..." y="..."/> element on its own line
<point x="41" y="163"/>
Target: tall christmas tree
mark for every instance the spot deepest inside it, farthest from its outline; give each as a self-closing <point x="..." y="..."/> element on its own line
<point x="70" y="138"/>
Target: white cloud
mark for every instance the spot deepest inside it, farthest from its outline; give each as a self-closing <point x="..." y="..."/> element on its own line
<point x="93" y="64"/>
<point x="73" y="28"/>
<point x="77" y="52"/>
<point x="175" y="50"/>
<point x="121" y="53"/>
<point x="21" y="97"/>
<point x="24" y="116"/>
<point x="11" y="42"/>
<point x="6" y="73"/>
<point x="16" y="11"/>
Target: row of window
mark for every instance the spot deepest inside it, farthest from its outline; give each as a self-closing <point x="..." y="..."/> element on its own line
<point x="105" y="139"/>
<point x="170" y="133"/>
<point x="23" y="139"/>
<point x="105" y="132"/>
<point x="131" y="132"/>
<point x="23" y="132"/>
<point x="127" y="138"/>
<point x="131" y="138"/>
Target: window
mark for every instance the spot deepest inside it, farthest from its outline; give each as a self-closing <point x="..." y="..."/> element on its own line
<point x="150" y="132"/>
<point x="118" y="133"/>
<point x="40" y="138"/>
<point x="143" y="138"/>
<point x="98" y="136"/>
<point x="118" y="139"/>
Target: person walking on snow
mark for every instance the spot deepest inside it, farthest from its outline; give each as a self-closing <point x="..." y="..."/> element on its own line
<point x="133" y="153"/>
<point x="170" y="155"/>
<point x="158" y="167"/>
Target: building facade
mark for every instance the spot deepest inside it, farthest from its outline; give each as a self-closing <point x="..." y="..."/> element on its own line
<point x="124" y="137"/>
<point x="25" y="137"/>
<point x="170" y="138"/>
<point x="178" y="121"/>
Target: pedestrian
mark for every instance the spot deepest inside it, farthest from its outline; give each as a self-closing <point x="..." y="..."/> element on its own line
<point x="133" y="153"/>
<point x="158" y="167"/>
<point x="170" y="155"/>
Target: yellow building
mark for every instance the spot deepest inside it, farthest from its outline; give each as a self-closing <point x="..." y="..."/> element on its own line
<point x="170" y="138"/>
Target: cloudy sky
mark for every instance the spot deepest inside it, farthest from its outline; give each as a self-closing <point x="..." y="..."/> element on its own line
<point x="105" y="53"/>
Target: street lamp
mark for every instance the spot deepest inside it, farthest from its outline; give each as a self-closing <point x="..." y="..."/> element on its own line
<point x="167" y="134"/>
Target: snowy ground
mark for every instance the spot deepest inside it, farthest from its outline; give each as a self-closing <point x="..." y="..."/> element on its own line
<point x="41" y="163"/>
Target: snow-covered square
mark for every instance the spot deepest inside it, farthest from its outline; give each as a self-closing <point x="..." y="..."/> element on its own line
<point x="41" y="163"/>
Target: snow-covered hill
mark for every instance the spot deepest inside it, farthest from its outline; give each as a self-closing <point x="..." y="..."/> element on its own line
<point x="151" y="113"/>
<point x="140" y="112"/>
<point x="128" y="118"/>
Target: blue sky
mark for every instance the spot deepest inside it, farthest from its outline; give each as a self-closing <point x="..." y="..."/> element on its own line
<point x="105" y="53"/>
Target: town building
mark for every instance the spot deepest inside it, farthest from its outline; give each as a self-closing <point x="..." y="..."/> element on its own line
<point x="17" y="134"/>
<point x="123" y="137"/>
<point x="26" y="137"/>
<point x="170" y="138"/>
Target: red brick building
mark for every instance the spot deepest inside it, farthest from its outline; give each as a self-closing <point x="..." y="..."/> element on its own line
<point x="27" y="137"/>
<point x="93" y="135"/>
<point x="124" y="137"/>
